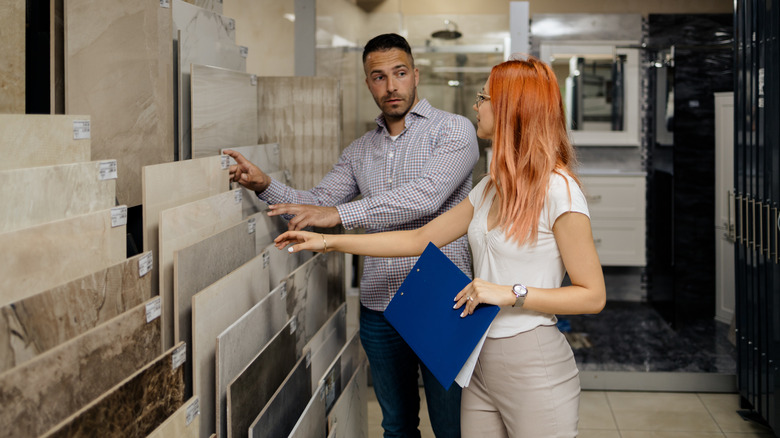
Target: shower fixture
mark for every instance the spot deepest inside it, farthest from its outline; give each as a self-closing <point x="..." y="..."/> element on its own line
<point x="450" y="32"/>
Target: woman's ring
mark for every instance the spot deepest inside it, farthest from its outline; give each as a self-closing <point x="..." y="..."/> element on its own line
<point x="471" y="299"/>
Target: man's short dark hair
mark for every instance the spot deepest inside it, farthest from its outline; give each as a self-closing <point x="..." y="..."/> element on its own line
<point x="387" y="41"/>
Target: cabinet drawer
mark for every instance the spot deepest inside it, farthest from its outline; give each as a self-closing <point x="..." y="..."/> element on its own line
<point x="615" y="197"/>
<point x="620" y="242"/>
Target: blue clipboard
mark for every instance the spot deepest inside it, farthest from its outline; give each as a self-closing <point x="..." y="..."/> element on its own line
<point x="421" y="311"/>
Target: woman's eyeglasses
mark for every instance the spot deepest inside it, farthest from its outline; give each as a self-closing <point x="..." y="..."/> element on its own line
<point x="481" y="97"/>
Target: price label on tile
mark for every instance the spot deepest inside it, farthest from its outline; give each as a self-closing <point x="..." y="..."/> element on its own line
<point x="253" y="80"/>
<point x="308" y="359"/>
<point x="153" y="310"/>
<point x="165" y="3"/>
<point x="107" y="170"/>
<point x="293" y="324"/>
<point x="266" y="259"/>
<point x="244" y="51"/>
<point x="283" y="292"/>
<point x="145" y="264"/>
<point x="239" y="196"/>
<point x="231" y="24"/>
<point x="193" y="410"/>
<point x="225" y="162"/>
<point x="80" y="129"/>
<point x="252" y="226"/>
<point x="118" y="216"/>
<point x="179" y="356"/>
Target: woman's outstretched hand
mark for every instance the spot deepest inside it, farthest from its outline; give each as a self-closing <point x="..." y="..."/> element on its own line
<point x="302" y="240"/>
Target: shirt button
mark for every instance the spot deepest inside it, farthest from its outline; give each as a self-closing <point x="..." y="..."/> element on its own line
<point x="390" y="180"/>
<point x="390" y="154"/>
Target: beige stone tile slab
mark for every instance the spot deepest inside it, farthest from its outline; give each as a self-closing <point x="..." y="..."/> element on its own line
<point x="349" y="416"/>
<point x="268" y="227"/>
<point x="43" y="321"/>
<point x="118" y="69"/>
<point x="283" y="263"/>
<point x="279" y="416"/>
<point x="649" y="411"/>
<point x="211" y="5"/>
<point x="184" y="423"/>
<point x="312" y="422"/>
<point x="39" y="258"/>
<point x="12" y="54"/>
<point x="239" y="343"/>
<point x="723" y="408"/>
<point x="265" y="156"/>
<point x="302" y="115"/>
<point x="31" y="140"/>
<point x="169" y="185"/>
<point x="182" y="226"/>
<point x="213" y="310"/>
<point x="224" y="109"/>
<point x="307" y="296"/>
<point x="156" y="391"/>
<point x="46" y="390"/>
<point x="595" y="412"/>
<point x="33" y="196"/>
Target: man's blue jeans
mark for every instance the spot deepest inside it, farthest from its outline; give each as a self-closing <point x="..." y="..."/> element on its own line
<point x="394" y="374"/>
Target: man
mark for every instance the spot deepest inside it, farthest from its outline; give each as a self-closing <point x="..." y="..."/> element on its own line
<point x="414" y="166"/>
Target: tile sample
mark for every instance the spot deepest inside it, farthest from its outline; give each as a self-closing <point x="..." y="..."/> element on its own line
<point x="326" y="344"/>
<point x="349" y="416"/>
<point x="169" y="185"/>
<point x="224" y="109"/>
<point x="340" y="371"/>
<point x="267" y="227"/>
<point x="254" y="386"/>
<point x="12" y="52"/>
<point x="30" y="140"/>
<point x="239" y="343"/>
<point x="282" y="263"/>
<point x="183" y="226"/>
<point x="156" y="391"/>
<point x="46" y="390"/>
<point x="118" y="68"/>
<point x="39" y="258"/>
<point x="213" y="310"/>
<point x="184" y="423"/>
<point x="211" y="5"/>
<point x="265" y="156"/>
<point x="199" y="265"/>
<point x="307" y="296"/>
<point x="41" y="322"/>
<point x="33" y="196"/>
<point x="302" y="115"/>
<point x="286" y="405"/>
<point x="312" y="422"/>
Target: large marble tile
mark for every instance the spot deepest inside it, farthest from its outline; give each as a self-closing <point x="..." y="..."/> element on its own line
<point x="172" y="184"/>
<point x="12" y="53"/>
<point x="136" y="406"/>
<point x="312" y="422"/>
<point x="33" y="196"/>
<point x="307" y="295"/>
<point x="184" y="423"/>
<point x="238" y="344"/>
<point x="198" y="266"/>
<point x="43" y="321"/>
<point x="48" y="389"/>
<point x="349" y="416"/>
<point x="30" y="140"/>
<point x="203" y="37"/>
<point x="326" y="344"/>
<point x="302" y="115"/>
<point x="183" y="226"/>
<point x="211" y="5"/>
<point x="343" y="367"/>
<point x="39" y="258"/>
<point x="286" y="405"/>
<point x="224" y="109"/>
<point x="213" y="310"/>
<point x="118" y="69"/>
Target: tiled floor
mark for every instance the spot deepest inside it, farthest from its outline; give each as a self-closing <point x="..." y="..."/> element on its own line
<point x="606" y="414"/>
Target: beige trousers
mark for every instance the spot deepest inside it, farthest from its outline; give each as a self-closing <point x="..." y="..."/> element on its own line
<point x="525" y="386"/>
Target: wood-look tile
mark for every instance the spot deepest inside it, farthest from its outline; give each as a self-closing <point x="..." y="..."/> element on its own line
<point x="184" y="423"/>
<point x="183" y="226"/>
<point x="12" y="52"/>
<point x="312" y="422"/>
<point x="349" y="416"/>
<point x="39" y="258"/>
<point x="211" y="5"/>
<point x="213" y="310"/>
<point x="33" y="196"/>
<point x="118" y="68"/>
<point x="238" y="344"/>
<point x="41" y="322"/>
<point x="302" y="115"/>
<point x="156" y="392"/>
<point x="31" y="140"/>
<point x="286" y="405"/>
<point x="224" y="109"/>
<point x="326" y="344"/>
<point x="48" y="389"/>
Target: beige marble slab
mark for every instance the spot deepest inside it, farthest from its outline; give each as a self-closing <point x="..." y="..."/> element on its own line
<point x="224" y="109"/>
<point x="46" y="390"/>
<point x="240" y="342"/>
<point x="39" y="258"/>
<point x="41" y="322"/>
<point x="184" y="423"/>
<point x="211" y="5"/>
<point x="213" y="310"/>
<point x="33" y="196"/>
<point x="183" y="226"/>
<point x="118" y="68"/>
<point x="349" y="416"/>
<point x="156" y="392"/>
<point x="172" y="184"/>
<point x="284" y="408"/>
<point x="302" y="115"/>
<point x="30" y="140"/>
<point x="12" y="56"/>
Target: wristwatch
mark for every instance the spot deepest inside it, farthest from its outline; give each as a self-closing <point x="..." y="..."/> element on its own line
<point x="520" y="292"/>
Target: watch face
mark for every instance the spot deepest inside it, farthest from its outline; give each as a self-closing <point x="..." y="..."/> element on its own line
<point x="519" y="290"/>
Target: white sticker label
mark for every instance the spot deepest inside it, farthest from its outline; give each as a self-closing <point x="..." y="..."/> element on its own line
<point x="253" y="80"/>
<point x="193" y="410"/>
<point x="244" y="51"/>
<point x="252" y="226"/>
<point x="308" y="358"/>
<point x="145" y="264"/>
<point x="283" y="292"/>
<point x="266" y="259"/>
<point x="153" y="310"/>
<point x="760" y="81"/>
<point x="239" y="196"/>
<point x="107" y="170"/>
<point x="118" y="216"/>
<point x="293" y="324"/>
<point x="225" y="161"/>
<point x="231" y="24"/>
<point x="165" y="3"/>
<point x="179" y="356"/>
<point x="760" y="102"/>
<point x="80" y="129"/>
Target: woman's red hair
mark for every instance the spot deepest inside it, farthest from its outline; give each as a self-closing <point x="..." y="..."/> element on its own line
<point x="530" y="142"/>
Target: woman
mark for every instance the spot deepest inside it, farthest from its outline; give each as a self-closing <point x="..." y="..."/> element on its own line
<point x="527" y="225"/>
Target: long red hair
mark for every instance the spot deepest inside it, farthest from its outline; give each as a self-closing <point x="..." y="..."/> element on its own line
<point x="530" y="142"/>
